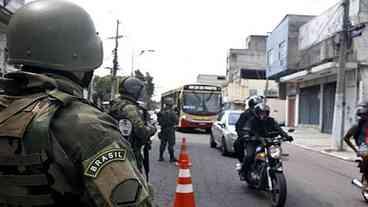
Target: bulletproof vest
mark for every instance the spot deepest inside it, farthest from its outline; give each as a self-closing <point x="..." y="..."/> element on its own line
<point x="29" y="175"/>
<point x="125" y="125"/>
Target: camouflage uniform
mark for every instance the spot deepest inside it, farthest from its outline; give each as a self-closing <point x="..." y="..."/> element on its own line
<point x="55" y="148"/>
<point x="132" y="124"/>
<point x="167" y="119"/>
<point x="74" y="137"/>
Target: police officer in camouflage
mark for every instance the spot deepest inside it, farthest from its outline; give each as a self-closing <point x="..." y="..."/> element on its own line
<point x="55" y="148"/>
<point x="130" y="114"/>
<point x="167" y="119"/>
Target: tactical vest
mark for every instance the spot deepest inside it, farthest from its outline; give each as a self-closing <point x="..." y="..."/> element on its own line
<point x="125" y="125"/>
<point x="29" y="175"/>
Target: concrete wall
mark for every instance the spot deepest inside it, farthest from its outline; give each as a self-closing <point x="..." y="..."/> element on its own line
<point x="217" y="80"/>
<point x="295" y="22"/>
<point x="253" y="57"/>
<point x="278" y="111"/>
<point x="240" y="90"/>
<point x="256" y="42"/>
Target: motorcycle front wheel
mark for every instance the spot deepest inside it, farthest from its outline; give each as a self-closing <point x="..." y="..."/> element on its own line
<point x="365" y="189"/>
<point x="278" y="193"/>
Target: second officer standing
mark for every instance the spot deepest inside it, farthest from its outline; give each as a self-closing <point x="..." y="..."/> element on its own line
<point x="167" y="119"/>
<point x="128" y="112"/>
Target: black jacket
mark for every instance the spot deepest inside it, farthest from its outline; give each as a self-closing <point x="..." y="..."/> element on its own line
<point x="241" y="125"/>
<point x="263" y="128"/>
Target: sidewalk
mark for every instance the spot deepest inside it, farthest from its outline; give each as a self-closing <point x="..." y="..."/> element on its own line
<point x="312" y="139"/>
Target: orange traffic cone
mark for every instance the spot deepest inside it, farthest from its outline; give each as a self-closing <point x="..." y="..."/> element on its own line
<point x="184" y="196"/>
<point x="183" y="156"/>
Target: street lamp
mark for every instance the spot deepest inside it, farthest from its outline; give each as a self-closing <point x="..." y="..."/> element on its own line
<point x="141" y="52"/>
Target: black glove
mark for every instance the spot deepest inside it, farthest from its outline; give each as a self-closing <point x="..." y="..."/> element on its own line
<point x="289" y="138"/>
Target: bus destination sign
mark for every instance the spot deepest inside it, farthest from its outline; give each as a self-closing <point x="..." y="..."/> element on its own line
<point x="202" y="87"/>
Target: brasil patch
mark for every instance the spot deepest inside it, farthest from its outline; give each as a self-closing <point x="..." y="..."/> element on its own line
<point x="102" y="159"/>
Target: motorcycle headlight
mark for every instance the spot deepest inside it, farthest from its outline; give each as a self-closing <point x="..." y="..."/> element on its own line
<point x="275" y="152"/>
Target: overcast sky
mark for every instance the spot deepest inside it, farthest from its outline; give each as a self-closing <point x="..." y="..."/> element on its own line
<point x="189" y="37"/>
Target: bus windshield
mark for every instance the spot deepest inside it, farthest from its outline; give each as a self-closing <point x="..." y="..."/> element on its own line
<point x="201" y="103"/>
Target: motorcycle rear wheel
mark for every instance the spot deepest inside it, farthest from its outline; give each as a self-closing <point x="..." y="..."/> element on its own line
<point x="278" y="193"/>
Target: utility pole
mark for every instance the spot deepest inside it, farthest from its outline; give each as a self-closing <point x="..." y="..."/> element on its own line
<point x="115" y="62"/>
<point x="340" y="104"/>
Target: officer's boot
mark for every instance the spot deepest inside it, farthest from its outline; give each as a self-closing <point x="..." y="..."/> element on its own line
<point x="161" y="156"/>
<point x="172" y="156"/>
<point x="162" y="151"/>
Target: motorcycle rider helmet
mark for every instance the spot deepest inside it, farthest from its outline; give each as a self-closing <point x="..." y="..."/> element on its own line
<point x="362" y="111"/>
<point x="132" y="87"/>
<point x="262" y="111"/>
<point x="54" y="36"/>
<point x="252" y="101"/>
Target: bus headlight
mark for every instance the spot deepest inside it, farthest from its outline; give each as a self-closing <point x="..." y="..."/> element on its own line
<point x="275" y="152"/>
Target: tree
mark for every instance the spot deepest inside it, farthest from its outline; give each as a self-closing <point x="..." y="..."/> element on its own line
<point x="102" y="88"/>
<point x="150" y="87"/>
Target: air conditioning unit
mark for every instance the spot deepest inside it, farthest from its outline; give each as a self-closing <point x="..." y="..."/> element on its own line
<point x="327" y="50"/>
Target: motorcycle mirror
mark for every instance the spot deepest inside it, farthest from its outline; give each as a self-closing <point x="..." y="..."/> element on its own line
<point x="291" y="130"/>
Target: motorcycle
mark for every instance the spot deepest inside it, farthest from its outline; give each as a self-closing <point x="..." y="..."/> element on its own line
<point x="266" y="172"/>
<point x="363" y="182"/>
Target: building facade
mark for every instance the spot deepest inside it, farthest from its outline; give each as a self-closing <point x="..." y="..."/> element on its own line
<point x="245" y="71"/>
<point x="310" y="74"/>
<point x="217" y="80"/>
<point x="246" y="75"/>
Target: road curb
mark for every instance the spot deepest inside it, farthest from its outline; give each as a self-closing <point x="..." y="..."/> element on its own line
<point x="325" y="153"/>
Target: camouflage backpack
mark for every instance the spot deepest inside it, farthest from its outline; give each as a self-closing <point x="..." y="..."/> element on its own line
<point x="29" y="175"/>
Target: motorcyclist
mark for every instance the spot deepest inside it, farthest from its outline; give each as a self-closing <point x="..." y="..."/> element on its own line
<point x="359" y="131"/>
<point x="247" y="115"/>
<point x="260" y="125"/>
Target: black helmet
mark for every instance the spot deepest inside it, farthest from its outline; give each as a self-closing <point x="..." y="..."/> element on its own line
<point x="169" y="101"/>
<point x="362" y="111"/>
<point x="254" y="100"/>
<point x="262" y="111"/>
<point x="133" y="88"/>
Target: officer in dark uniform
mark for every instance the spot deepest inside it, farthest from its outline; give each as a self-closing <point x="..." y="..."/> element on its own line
<point x="131" y="116"/>
<point x="55" y="148"/>
<point x="167" y="119"/>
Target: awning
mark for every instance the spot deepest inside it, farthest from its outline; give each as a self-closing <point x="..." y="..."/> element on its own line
<point x="319" y="71"/>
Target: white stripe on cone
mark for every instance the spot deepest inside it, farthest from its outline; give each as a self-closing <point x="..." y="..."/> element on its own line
<point x="184" y="173"/>
<point x="188" y="188"/>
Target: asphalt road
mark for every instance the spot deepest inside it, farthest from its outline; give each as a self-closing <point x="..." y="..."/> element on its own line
<point x="313" y="179"/>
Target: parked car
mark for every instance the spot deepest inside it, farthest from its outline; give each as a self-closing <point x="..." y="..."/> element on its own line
<point x="223" y="132"/>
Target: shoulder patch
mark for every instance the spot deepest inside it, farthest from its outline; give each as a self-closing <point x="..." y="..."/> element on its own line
<point x="102" y="159"/>
<point x="126" y="127"/>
